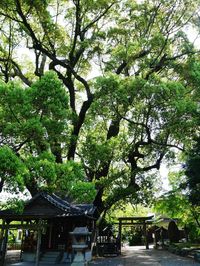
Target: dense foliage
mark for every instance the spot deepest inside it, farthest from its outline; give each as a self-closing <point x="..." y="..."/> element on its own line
<point x="192" y="171"/>
<point x="123" y="86"/>
<point x="183" y="200"/>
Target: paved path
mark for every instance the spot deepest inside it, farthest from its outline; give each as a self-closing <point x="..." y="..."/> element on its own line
<point x="138" y="256"/>
<point x="133" y="256"/>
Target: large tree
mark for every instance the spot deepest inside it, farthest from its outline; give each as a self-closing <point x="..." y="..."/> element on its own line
<point x="192" y="171"/>
<point x="128" y="95"/>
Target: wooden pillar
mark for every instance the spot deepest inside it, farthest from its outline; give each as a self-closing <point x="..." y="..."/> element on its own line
<point x="39" y="235"/>
<point x="92" y="229"/>
<point x="4" y="244"/>
<point x="120" y="235"/>
<point x="22" y="240"/>
<point x="93" y="239"/>
<point x="96" y="238"/>
<point x="146" y="236"/>
<point x="50" y="235"/>
<point x="2" y="236"/>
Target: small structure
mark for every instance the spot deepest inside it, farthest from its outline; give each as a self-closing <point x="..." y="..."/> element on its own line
<point x="167" y="231"/>
<point x="108" y="245"/>
<point x="135" y="221"/>
<point x="46" y="222"/>
<point x="79" y="245"/>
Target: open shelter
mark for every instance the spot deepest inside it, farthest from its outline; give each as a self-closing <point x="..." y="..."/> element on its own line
<point x="46" y="222"/>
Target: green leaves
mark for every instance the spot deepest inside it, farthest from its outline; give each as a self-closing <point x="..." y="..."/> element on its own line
<point x="15" y="204"/>
<point x="121" y="124"/>
<point x="49" y="97"/>
<point x="42" y="169"/>
<point x="71" y="181"/>
<point x="83" y="192"/>
<point x="12" y="169"/>
<point x="192" y="171"/>
<point x="34" y="113"/>
<point x="36" y="119"/>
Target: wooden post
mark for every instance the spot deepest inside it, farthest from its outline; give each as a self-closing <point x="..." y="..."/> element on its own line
<point x="22" y="240"/>
<point x="120" y="235"/>
<point x="96" y="237"/>
<point x="94" y="240"/>
<point x="50" y="235"/>
<point x="4" y="245"/>
<point x="2" y="236"/>
<point x="39" y="234"/>
<point x="162" y="236"/>
<point x="146" y="236"/>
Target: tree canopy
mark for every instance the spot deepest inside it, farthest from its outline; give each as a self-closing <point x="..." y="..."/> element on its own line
<point x="192" y="171"/>
<point x="182" y="201"/>
<point x="95" y="94"/>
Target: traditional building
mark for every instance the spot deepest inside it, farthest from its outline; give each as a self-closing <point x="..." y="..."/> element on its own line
<point x="46" y="222"/>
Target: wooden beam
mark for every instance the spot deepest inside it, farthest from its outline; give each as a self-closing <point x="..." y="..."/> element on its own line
<point x="136" y="218"/>
<point x="124" y="224"/>
<point x="22" y="226"/>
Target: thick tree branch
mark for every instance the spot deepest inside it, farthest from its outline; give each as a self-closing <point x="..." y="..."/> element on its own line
<point x="67" y="81"/>
<point x="168" y="145"/>
<point x="77" y="126"/>
<point x="57" y="151"/>
<point x="6" y="15"/>
<point x="112" y="132"/>
<point x="42" y="64"/>
<point x="37" y="44"/>
<point x="19" y="146"/>
<point x="124" y="64"/>
<point x="17" y="71"/>
<point x="98" y="200"/>
<point x="119" y="194"/>
<point x="114" y="128"/>
<point x="84" y="82"/>
<point x="77" y="30"/>
<point x="2" y="184"/>
<point x="39" y="66"/>
<point x="25" y="22"/>
<point x="153" y="16"/>
<point x="164" y="60"/>
<point x="156" y="165"/>
<point x="97" y="18"/>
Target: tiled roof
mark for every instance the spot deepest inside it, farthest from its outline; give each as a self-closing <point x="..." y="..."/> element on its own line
<point x="44" y="205"/>
<point x="87" y="208"/>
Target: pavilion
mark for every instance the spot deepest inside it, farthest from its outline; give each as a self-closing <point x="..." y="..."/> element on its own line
<point x="46" y="222"/>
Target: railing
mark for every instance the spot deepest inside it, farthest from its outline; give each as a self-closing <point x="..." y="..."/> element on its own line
<point x="108" y="246"/>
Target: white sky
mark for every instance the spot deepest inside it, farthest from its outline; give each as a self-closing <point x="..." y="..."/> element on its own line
<point x="164" y="171"/>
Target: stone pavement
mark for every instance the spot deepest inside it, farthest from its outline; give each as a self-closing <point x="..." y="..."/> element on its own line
<point x="132" y="256"/>
<point x="138" y="256"/>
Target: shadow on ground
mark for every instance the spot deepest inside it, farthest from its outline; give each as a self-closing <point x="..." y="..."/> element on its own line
<point x="132" y="256"/>
<point x="138" y="256"/>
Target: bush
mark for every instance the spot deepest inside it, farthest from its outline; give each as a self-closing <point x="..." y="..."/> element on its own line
<point x="135" y="238"/>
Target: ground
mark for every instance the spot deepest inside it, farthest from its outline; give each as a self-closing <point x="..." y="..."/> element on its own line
<point x="138" y="256"/>
<point x="134" y="256"/>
